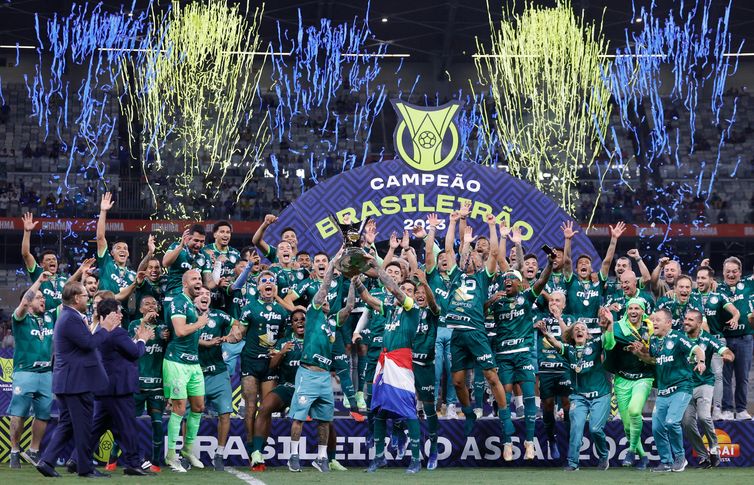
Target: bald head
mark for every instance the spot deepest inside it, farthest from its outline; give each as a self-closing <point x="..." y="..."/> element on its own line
<point x="628" y="282"/>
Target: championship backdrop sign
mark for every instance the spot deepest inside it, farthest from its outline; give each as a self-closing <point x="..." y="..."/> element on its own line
<point x="428" y="177"/>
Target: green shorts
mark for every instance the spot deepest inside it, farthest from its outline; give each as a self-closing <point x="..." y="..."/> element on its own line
<point x="182" y="380"/>
<point x="31" y="391"/>
<point x="373" y="354"/>
<point x="554" y="384"/>
<point x="257" y="367"/>
<point x="285" y="393"/>
<point x="313" y="396"/>
<point x="346" y="330"/>
<point x="515" y="367"/>
<point x="148" y="400"/>
<point x="424" y="380"/>
<point x="218" y="392"/>
<point x="340" y="359"/>
<point x="469" y="348"/>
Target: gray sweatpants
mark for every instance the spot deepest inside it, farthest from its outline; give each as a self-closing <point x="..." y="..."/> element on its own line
<point x="699" y="415"/>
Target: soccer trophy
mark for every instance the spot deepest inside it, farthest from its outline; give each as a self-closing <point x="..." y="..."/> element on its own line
<point x="353" y="261"/>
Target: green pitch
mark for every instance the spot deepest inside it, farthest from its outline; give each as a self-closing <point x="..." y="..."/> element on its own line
<point x="453" y="476"/>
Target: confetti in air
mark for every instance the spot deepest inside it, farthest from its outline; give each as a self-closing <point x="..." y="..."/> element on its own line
<point x="545" y="73"/>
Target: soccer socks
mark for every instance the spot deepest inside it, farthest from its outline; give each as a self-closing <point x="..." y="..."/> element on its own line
<point x="158" y="434"/>
<point x="346" y="384"/>
<point x="506" y="424"/>
<point x="257" y="443"/>
<point x="379" y="436"/>
<point x="549" y="419"/>
<point x="635" y="426"/>
<point x="192" y="428"/>
<point x="362" y="369"/>
<point x="174" y="430"/>
<point x="530" y="409"/>
<point x="415" y="435"/>
<point x="432" y="425"/>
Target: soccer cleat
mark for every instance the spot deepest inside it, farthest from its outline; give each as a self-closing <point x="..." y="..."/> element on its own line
<point x="704" y="464"/>
<point x="508" y="452"/>
<point x="603" y="464"/>
<point x="630" y="459"/>
<point x="346" y="402"/>
<point x="743" y="416"/>
<point x="321" y="464"/>
<point x="571" y="468"/>
<point x="256" y="460"/>
<point x="218" y="462"/>
<point x="377" y="462"/>
<point x="432" y="461"/>
<point x="111" y="467"/>
<point x="15" y="459"/>
<point x="450" y="412"/>
<point x="415" y="466"/>
<point x="479" y="413"/>
<point x="336" y="466"/>
<point x="680" y="464"/>
<point x="294" y="464"/>
<point x="528" y="450"/>
<point x="174" y="463"/>
<point x="259" y="467"/>
<point x="359" y="418"/>
<point x="31" y="456"/>
<point x="468" y="425"/>
<point x="191" y="458"/>
<point x="727" y="416"/>
<point x="662" y="468"/>
<point x="714" y="460"/>
<point x="643" y="463"/>
<point x="554" y="451"/>
<point x="360" y="402"/>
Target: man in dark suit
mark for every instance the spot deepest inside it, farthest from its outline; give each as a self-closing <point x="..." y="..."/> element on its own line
<point x="114" y="406"/>
<point x="77" y="373"/>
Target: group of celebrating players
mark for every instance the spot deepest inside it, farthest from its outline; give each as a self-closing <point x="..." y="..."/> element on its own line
<point x="563" y="336"/>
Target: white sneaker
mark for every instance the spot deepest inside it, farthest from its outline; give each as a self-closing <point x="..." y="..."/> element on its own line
<point x="175" y="464"/>
<point x="508" y="452"/>
<point x="743" y="416"/>
<point x="717" y="414"/>
<point x="727" y="416"/>
<point x="479" y="413"/>
<point x="528" y="450"/>
<point x="195" y="462"/>
<point x="450" y="412"/>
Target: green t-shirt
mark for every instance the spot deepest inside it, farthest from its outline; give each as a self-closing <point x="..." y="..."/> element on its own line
<point x="377" y="319"/>
<point x="287" y="278"/>
<point x="548" y="356"/>
<point x="468" y="293"/>
<point x="111" y="276"/>
<point x="587" y="373"/>
<point x="741" y="295"/>
<point x="150" y="364"/>
<point x="265" y="323"/>
<point x="622" y="299"/>
<point x="672" y="367"/>
<point x="319" y="335"/>
<point x="33" y="337"/>
<point x="583" y="300"/>
<point x="148" y="288"/>
<point x="678" y="310"/>
<point x="289" y="365"/>
<point x="184" y="350"/>
<point x="513" y="323"/>
<point x="52" y="289"/>
<point x="423" y="348"/>
<point x="440" y="286"/>
<point x="227" y="270"/>
<point x="557" y="282"/>
<point x="211" y="358"/>
<point x="714" y="304"/>
<point x="621" y="362"/>
<point x="401" y="329"/>
<point x="711" y="346"/>
<point x="185" y="261"/>
<point x="238" y="299"/>
<point x="307" y="288"/>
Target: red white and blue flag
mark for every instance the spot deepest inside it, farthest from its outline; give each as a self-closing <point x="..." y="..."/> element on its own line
<point x="393" y="387"/>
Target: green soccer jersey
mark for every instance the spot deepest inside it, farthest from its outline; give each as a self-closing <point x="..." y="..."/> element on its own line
<point x="184" y="350"/>
<point x="622" y="299"/>
<point x="583" y="300"/>
<point x="150" y="364"/>
<point x="265" y="322"/>
<point x="401" y="329"/>
<point x="711" y="346"/>
<point x="319" y="335"/>
<point x="52" y="289"/>
<point x="378" y="319"/>
<point x="548" y="356"/>
<point x="286" y="278"/>
<point x="185" y="261"/>
<point x="741" y="295"/>
<point x="620" y="361"/>
<point x="111" y="276"/>
<point x="33" y="336"/>
<point x="423" y="348"/>
<point x="289" y="365"/>
<point x="679" y="309"/>
<point x="587" y="373"/>
<point x="714" y="304"/>
<point x="211" y="358"/>
<point x="232" y="256"/>
<point x="238" y="299"/>
<point x="557" y="282"/>
<point x="513" y="323"/>
<point x="440" y="286"/>
<point x="307" y="288"/>
<point x="468" y="293"/>
<point x="673" y="370"/>
<point x="148" y="288"/>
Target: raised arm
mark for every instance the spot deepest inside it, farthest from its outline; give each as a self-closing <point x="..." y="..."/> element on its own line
<point x="540" y="284"/>
<point x="29" y="225"/>
<point x="646" y="277"/>
<point x="105" y="205"/>
<point x="568" y="233"/>
<point x="450" y="238"/>
<point x="655" y="277"/>
<point x="502" y="252"/>
<point x="169" y="257"/>
<point x="389" y="284"/>
<point x="494" y="244"/>
<point x="321" y="296"/>
<point x="615" y="233"/>
<point x="150" y="254"/>
<point x="517" y="239"/>
<point x="542" y="327"/>
<point x="429" y="243"/>
<point x="126" y="292"/>
<point x="82" y="270"/>
<point x="345" y="312"/>
<point x="430" y="295"/>
<point x="23" y="307"/>
<point x="392" y="246"/>
<point x="258" y="238"/>
<point x="369" y="300"/>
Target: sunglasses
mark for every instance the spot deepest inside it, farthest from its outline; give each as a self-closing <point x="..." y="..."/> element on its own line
<point x="267" y="280"/>
<point x="510" y="277"/>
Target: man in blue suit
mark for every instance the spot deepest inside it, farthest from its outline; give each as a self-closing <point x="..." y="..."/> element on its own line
<point x="114" y="406"/>
<point x="77" y="373"/>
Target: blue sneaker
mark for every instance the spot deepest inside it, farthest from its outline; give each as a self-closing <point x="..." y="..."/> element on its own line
<point x="603" y="464"/>
<point x="432" y="461"/>
<point x="377" y="462"/>
<point x="468" y="424"/>
<point x="392" y="447"/>
<point x="402" y="446"/>
<point x="630" y="459"/>
<point x="415" y="466"/>
<point x="554" y="451"/>
<point x="643" y="463"/>
<point x="662" y="468"/>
